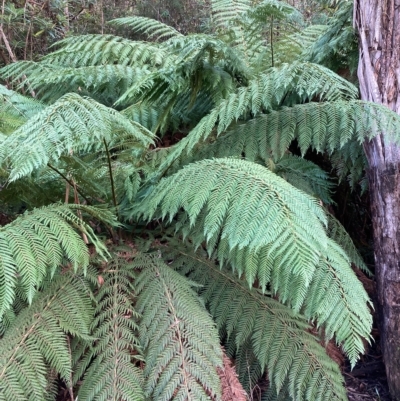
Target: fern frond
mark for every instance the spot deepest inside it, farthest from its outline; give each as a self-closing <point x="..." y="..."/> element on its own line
<point x="304" y="175"/>
<point x="37" y="340"/>
<point x="321" y="126"/>
<point x="244" y="207"/>
<point x="264" y="94"/>
<point x="38" y="242"/>
<point x="51" y="82"/>
<point x="15" y="109"/>
<point x="148" y="26"/>
<point x="338" y="301"/>
<point x="276" y="336"/>
<point x="109" y="364"/>
<point x="227" y="12"/>
<point x="72" y="124"/>
<point x="180" y="340"/>
<point x="86" y="50"/>
<point x="338" y="234"/>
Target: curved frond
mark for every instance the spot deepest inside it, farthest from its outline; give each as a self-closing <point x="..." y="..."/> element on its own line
<point x="86" y="50"/>
<point x="15" y="109"/>
<point x="148" y="26"/>
<point x="109" y="364"/>
<point x="180" y="340"/>
<point x="38" y="242"/>
<point x="72" y="124"/>
<point x="277" y="337"/>
<point x="37" y="343"/>
<point x="239" y="206"/>
<point x="266" y="94"/>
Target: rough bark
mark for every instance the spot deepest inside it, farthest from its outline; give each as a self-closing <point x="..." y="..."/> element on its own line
<point x="378" y="25"/>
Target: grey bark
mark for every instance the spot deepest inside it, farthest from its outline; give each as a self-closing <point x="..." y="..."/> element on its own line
<point x="378" y="25"/>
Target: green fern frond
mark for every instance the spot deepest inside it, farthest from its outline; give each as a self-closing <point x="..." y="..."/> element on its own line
<point x="227" y="12"/>
<point x="152" y="28"/>
<point x="338" y="301"/>
<point x="338" y="233"/>
<point x="37" y="343"/>
<point x="304" y="175"/>
<point x="181" y="344"/>
<point x="39" y="242"/>
<point x="51" y="82"/>
<point x="321" y="126"/>
<point x="109" y="364"/>
<point x="15" y="109"/>
<point x="244" y="207"/>
<point x="276" y="336"/>
<point x="72" y="124"/>
<point x="264" y="94"/>
<point x="86" y="50"/>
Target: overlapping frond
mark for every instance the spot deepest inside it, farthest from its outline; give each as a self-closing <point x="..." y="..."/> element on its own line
<point x="51" y="81"/>
<point x="266" y="93"/>
<point x="15" y="109"/>
<point x="152" y="28"/>
<point x="179" y="338"/>
<point x="275" y="335"/>
<point x="227" y="12"/>
<point x="109" y="364"/>
<point x="238" y="206"/>
<point x="322" y="126"/>
<point x="38" y="242"/>
<point x="72" y="124"/>
<point x="338" y="233"/>
<point x="36" y="343"/>
<point x="86" y="50"/>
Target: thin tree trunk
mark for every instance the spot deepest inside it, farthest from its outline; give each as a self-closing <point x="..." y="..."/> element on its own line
<point x="378" y="24"/>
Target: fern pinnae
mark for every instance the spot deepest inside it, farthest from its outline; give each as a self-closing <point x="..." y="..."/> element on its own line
<point x="195" y="189"/>
<point x="179" y="338"/>
<point x="72" y="123"/>
<point x="109" y="364"/>
<point x="152" y="28"/>
<point x="36" y="342"/>
<point x="275" y="335"/>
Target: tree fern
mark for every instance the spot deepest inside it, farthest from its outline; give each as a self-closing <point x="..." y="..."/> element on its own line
<point x="275" y="334"/>
<point x="225" y="197"/>
<point x="37" y="341"/>
<point x="179" y="338"/>
<point x="109" y="364"/>
<point x="38" y="242"/>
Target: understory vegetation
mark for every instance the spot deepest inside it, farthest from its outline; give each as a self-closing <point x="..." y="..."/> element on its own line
<point x="164" y="216"/>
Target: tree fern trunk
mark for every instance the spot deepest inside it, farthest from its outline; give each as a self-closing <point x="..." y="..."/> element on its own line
<point x="378" y="24"/>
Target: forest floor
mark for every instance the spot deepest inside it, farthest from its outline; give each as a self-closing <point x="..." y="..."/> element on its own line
<point x="367" y="381"/>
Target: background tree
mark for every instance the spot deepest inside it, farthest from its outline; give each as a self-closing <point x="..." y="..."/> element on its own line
<point x="378" y="27"/>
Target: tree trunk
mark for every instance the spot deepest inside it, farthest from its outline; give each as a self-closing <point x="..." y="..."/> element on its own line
<point x="378" y="25"/>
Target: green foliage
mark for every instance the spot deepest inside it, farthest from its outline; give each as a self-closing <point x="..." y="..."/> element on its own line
<point x="109" y="364"/>
<point x="181" y="339"/>
<point x="37" y="341"/>
<point x="254" y="263"/>
<point x="38" y="242"/>
<point x="273" y="333"/>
